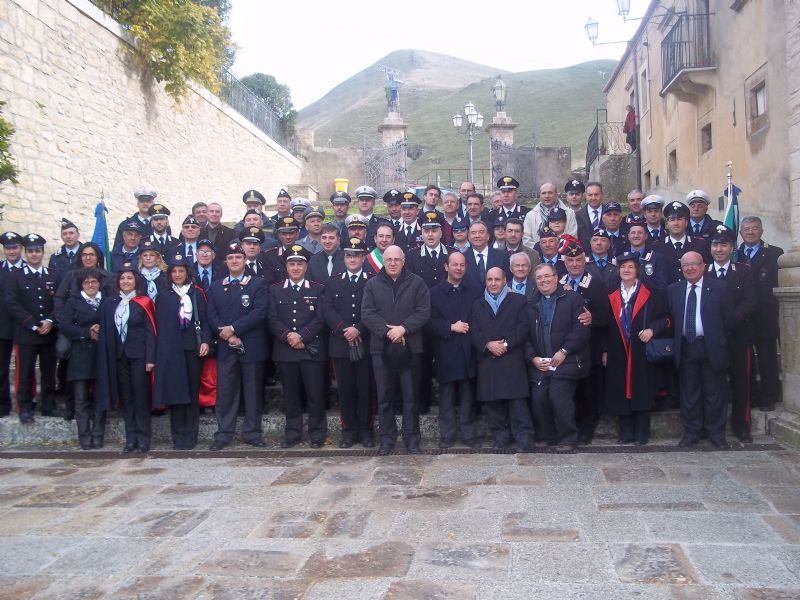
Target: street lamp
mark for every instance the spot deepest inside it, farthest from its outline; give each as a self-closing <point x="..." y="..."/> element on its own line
<point x="591" y="30"/>
<point x="499" y="92"/>
<point x="474" y="120"/>
<point x="623" y="8"/>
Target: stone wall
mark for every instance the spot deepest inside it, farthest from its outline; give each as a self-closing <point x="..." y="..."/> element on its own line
<point x="88" y="121"/>
<point x="322" y="165"/>
<point x="617" y="173"/>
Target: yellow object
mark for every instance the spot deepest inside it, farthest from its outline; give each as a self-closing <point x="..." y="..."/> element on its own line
<point x="341" y="184"/>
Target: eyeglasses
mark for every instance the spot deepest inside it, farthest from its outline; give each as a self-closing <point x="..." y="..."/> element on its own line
<point x="205" y="252"/>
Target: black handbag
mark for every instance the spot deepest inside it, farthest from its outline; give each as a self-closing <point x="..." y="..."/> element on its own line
<point x="658" y="350"/>
<point x="63" y="347"/>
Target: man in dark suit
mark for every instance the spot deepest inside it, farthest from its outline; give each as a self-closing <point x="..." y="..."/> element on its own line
<point x="590" y="217"/>
<point x="763" y="260"/>
<point x="190" y="234"/>
<point x="700" y="224"/>
<point x="220" y="235"/>
<point x="409" y="234"/>
<point x="521" y="281"/>
<point x="700" y="310"/>
<point x="509" y="207"/>
<point x="612" y="223"/>
<point x="601" y="257"/>
<point x="322" y="265"/>
<point x="29" y="300"/>
<point x="12" y="248"/>
<point x="480" y="257"/>
<point x="237" y="311"/>
<point x="679" y="242"/>
<point x="475" y="210"/>
<point x="739" y="279"/>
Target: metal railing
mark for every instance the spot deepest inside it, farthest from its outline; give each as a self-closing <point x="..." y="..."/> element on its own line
<point x="686" y="46"/>
<point x="607" y="138"/>
<point x="233" y="92"/>
<point x="452" y="179"/>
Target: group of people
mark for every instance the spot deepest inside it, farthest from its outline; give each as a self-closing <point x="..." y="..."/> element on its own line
<point x="541" y="318"/>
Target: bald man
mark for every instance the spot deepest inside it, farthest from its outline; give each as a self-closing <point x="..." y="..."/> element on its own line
<point x="538" y="216"/>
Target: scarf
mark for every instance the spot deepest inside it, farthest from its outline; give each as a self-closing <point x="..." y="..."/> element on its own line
<point x="185" y="309"/>
<point x="123" y="313"/>
<point x="93" y="302"/>
<point x="151" y="275"/>
<point x="546" y="212"/>
<point x="495" y="302"/>
<point x="626" y="312"/>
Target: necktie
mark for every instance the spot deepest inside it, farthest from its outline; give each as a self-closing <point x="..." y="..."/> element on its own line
<point x="70" y="256"/>
<point x="205" y="280"/>
<point x="189" y="252"/>
<point x="251" y="268"/>
<point x="722" y="272"/>
<point x="691" y="309"/>
<point x="296" y="287"/>
<point x="433" y="255"/>
<point x="235" y="281"/>
<point x="519" y="286"/>
<point x="330" y="265"/>
<point x="573" y="284"/>
<point x="353" y="278"/>
<point x="161" y="241"/>
<point x="38" y="274"/>
<point x="697" y="229"/>
<point x="678" y="246"/>
<point x="409" y="230"/>
<point x="127" y="255"/>
<point x="636" y="253"/>
<point x="749" y="252"/>
<point x="602" y="262"/>
<point x="654" y="233"/>
<point x="396" y="223"/>
<point x="595" y="219"/>
<point x="481" y="267"/>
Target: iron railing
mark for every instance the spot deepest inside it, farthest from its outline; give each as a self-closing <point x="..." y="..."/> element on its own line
<point x="231" y="91"/>
<point x="686" y="46"/>
<point x="453" y="178"/>
<point x="607" y="138"/>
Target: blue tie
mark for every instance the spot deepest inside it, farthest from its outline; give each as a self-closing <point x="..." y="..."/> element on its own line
<point x="574" y="284"/>
<point x="481" y="267"/>
<point x="691" y="313"/>
<point x="205" y="280"/>
<point x="602" y="263"/>
<point x="749" y="252"/>
<point x="519" y="286"/>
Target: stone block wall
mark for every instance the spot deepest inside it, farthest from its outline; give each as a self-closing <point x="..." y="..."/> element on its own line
<point x="89" y="121"/>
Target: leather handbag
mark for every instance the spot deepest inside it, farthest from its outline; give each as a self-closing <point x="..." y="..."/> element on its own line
<point x="63" y="347"/>
<point x="658" y="350"/>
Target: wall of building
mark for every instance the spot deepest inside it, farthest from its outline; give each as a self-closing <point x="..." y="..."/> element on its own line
<point x="746" y="44"/>
<point x="320" y="166"/>
<point x="89" y="122"/>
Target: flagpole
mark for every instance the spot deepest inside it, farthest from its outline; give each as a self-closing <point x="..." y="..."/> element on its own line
<point x="729" y="167"/>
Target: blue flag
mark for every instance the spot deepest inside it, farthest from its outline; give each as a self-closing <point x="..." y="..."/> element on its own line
<point x="100" y="235"/>
<point x="732" y="215"/>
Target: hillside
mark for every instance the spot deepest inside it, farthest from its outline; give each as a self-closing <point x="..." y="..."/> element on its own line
<point x="556" y="105"/>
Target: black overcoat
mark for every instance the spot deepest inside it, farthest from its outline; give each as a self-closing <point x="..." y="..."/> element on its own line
<point x="454" y="357"/>
<point x="76" y="318"/>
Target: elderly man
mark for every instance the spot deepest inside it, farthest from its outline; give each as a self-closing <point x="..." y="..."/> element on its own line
<point x="465" y="189"/>
<point x="701" y="313"/>
<point x="558" y="357"/>
<point x="539" y="216"/>
<point x="128" y="249"/>
<point x="499" y="330"/>
<point x="521" y="281"/>
<point x="475" y="210"/>
<point x="635" y="208"/>
<point x="218" y="234"/>
<point x="395" y="307"/>
<point x="254" y="200"/>
<point x="700" y="224"/>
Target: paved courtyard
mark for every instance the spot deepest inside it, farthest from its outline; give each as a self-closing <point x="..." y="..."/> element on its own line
<point x="653" y="525"/>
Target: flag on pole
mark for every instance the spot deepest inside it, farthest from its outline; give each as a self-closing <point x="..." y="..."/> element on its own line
<point x="732" y="213"/>
<point x="100" y="235"/>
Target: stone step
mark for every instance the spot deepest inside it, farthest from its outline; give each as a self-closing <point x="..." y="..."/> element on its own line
<point x="54" y="431"/>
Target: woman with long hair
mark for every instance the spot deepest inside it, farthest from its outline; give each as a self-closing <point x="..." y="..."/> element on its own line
<point x="127" y="348"/>
<point x="79" y="321"/>
<point x="630" y="387"/>
<point x="184" y="338"/>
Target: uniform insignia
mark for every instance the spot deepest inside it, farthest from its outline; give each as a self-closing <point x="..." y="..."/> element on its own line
<point x="587" y="279"/>
<point x="245" y="300"/>
<point x="178" y="257"/>
<point x="648" y="268"/>
<point x="506" y="179"/>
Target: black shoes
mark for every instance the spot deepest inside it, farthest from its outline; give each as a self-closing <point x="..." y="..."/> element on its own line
<point x="687" y="443"/>
<point x="446" y="444"/>
<point x="720" y="444"/>
<point x="473" y="443"/>
<point x="129" y="448"/>
<point x="217" y="445"/>
<point x="317" y="444"/>
<point x="256" y="443"/>
<point x="368" y="442"/>
<point x="286" y="445"/>
<point x="26" y="418"/>
<point x="385" y="450"/>
<point x="345" y="444"/>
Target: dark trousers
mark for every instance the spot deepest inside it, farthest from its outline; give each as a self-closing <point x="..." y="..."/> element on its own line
<point x="6" y="348"/>
<point x="457" y="410"/>
<point x="65" y="387"/>
<point x="355" y="398"/>
<point x="296" y="377"/>
<point x="239" y="381"/>
<point x="703" y="393"/>
<point x="134" y="390"/>
<point x="424" y="378"/>
<point x="587" y="402"/>
<point x="553" y="411"/>
<point x="769" y="384"/>
<point x="91" y="420"/>
<point x="635" y="427"/>
<point x="389" y="383"/>
<point x="739" y="374"/>
<point x="184" y="419"/>
<point x="26" y="373"/>
<point x="510" y="421"/>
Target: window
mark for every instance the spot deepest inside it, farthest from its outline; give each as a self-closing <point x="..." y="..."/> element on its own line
<point x="756" y="97"/>
<point x="672" y="166"/>
<point x="706" y="141"/>
<point x="759" y="100"/>
<point x="644" y="92"/>
<point x="646" y="180"/>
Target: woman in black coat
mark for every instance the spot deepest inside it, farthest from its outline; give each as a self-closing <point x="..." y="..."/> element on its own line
<point x="184" y="338"/>
<point x="127" y="349"/>
<point x="631" y="382"/>
<point x="80" y="323"/>
<point x="91" y="257"/>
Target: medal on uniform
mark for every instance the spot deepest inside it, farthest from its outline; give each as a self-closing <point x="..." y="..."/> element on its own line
<point x="648" y="268"/>
<point x="245" y="300"/>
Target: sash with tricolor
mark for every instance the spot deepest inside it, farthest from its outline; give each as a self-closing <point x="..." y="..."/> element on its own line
<point x="375" y="259"/>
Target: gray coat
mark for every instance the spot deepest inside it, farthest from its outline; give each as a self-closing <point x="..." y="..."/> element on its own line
<point x="406" y="302"/>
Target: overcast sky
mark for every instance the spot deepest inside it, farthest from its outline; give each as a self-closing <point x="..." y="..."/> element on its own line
<point x="312" y="46"/>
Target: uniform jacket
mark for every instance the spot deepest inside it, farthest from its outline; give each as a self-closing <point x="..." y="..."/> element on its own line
<point x="404" y="241"/>
<point x="673" y="255"/>
<point x="61" y="262"/>
<point x="654" y="270"/>
<point x="6" y="320"/>
<point x="167" y="246"/>
<point x="609" y="273"/>
<point x="421" y="263"/>
<point x="743" y="297"/>
<point x="500" y="377"/>
<point x="519" y="212"/>
<point x="405" y="302"/>
<point x="147" y="229"/>
<point x="708" y="227"/>
<point x="764" y="265"/>
<point x="318" y="265"/>
<point x="299" y="312"/>
<point x="30" y="300"/>
<point x="243" y="305"/>
<point x="118" y="258"/>
<point x="274" y="265"/>
<point x="566" y="332"/>
<point x="715" y="312"/>
<point x="454" y="357"/>
<point x="342" y="309"/>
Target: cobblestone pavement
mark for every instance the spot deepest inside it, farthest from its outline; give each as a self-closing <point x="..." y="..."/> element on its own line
<point x="705" y="525"/>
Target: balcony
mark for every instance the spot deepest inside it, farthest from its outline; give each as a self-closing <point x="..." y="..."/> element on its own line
<point x="607" y="139"/>
<point x="686" y="57"/>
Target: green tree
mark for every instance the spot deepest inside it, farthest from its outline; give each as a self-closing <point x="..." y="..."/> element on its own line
<point x="179" y="40"/>
<point x="8" y="169"/>
<point x="277" y="96"/>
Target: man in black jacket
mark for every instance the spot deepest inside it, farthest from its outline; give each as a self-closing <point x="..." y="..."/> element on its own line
<point x="558" y="356"/>
<point x="448" y="330"/>
<point x="395" y="308"/>
<point x="12" y="248"/>
<point x="330" y="261"/>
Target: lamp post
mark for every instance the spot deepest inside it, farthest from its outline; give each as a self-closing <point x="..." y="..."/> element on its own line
<point x="474" y="119"/>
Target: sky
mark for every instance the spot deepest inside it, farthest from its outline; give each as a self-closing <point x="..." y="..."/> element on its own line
<point x="312" y="46"/>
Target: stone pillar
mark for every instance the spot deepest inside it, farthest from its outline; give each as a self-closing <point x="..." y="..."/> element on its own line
<point x="786" y="426"/>
<point x="393" y="129"/>
<point x="501" y="129"/>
